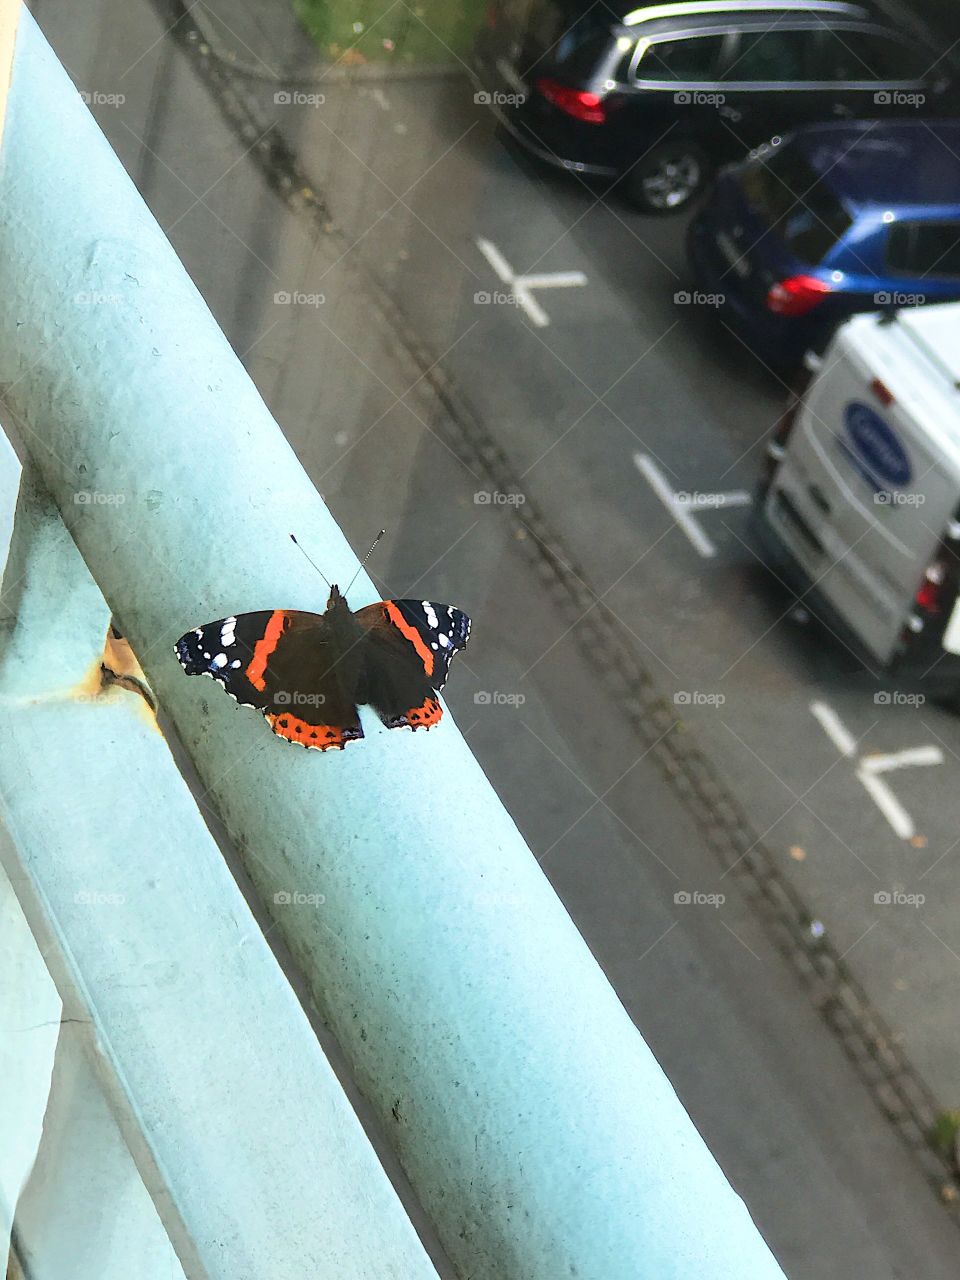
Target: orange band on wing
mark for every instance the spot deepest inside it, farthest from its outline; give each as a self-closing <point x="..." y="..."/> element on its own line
<point x="264" y="647"/>
<point x="424" y="716"/>
<point x="412" y="634"/>
<point x="321" y="737"/>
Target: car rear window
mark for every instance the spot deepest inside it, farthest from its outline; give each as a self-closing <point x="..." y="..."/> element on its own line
<point x="692" y="60"/>
<point x="924" y="249"/>
<point x="789" y="195"/>
<point x="582" y="54"/>
<point x="776" y="56"/>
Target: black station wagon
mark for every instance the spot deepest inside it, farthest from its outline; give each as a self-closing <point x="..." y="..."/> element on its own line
<point x="657" y="97"/>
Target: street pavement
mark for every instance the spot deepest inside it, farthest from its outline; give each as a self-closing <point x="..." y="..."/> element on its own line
<point x="422" y="200"/>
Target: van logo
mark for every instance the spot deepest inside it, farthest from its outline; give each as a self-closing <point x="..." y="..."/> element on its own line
<point x="876" y="452"/>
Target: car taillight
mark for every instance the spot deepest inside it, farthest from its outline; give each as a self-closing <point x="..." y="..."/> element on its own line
<point x="796" y="295"/>
<point x="578" y="103"/>
<point x="930" y="594"/>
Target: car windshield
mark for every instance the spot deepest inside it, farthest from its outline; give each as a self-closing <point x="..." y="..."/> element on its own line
<point x="793" y="199"/>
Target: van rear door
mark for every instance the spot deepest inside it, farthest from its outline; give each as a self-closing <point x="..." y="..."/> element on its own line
<point x="863" y="495"/>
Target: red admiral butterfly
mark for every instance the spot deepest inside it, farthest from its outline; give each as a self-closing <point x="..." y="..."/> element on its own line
<point x="307" y="672"/>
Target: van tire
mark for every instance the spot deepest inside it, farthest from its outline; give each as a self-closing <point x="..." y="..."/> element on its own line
<point x="668" y="178"/>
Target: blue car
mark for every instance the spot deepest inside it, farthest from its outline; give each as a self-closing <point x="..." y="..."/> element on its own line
<point x="828" y="221"/>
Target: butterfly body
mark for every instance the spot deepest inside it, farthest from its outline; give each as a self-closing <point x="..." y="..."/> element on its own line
<point x="307" y="672"/>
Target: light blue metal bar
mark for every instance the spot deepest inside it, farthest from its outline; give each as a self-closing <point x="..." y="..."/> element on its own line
<point x="240" y="1131"/>
<point x="536" y="1125"/>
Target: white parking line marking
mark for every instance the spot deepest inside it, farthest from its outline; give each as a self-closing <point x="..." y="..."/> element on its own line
<point x="681" y="504"/>
<point x="658" y="483"/>
<point x="888" y="804"/>
<point x="834" y="728"/>
<point x="868" y="767"/>
<point x="902" y="759"/>
<point x="522" y="286"/>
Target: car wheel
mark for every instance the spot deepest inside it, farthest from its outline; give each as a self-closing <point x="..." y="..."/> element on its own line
<point x="668" y="177"/>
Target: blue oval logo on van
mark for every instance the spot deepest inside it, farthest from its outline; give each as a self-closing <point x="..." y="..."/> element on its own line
<point x="883" y="457"/>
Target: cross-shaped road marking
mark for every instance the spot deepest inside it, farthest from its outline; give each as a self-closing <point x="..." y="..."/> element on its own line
<point x="869" y="767"/>
<point x="522" y="286"/>
<point x="681" y="504"/>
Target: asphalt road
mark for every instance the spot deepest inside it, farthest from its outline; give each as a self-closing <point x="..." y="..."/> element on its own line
<point x="620" y="369"/>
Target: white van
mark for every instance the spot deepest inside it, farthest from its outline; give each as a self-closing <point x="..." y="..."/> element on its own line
<point x="863" y="488"/>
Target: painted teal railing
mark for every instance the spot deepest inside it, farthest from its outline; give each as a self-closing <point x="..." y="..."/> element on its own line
<point x="538" y="1130"/>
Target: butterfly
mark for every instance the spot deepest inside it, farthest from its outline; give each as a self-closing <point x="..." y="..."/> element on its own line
<point x="307" y="672"/>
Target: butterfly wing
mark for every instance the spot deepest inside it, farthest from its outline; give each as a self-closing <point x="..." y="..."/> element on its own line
<point x="284" y="663"/>
<point x="409" y="645"/>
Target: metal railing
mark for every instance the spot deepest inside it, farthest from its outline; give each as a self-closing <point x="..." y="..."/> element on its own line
<point x="538" y="1131"/>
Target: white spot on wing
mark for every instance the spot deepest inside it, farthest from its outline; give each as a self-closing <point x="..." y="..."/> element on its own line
<point x="429" y="610"/>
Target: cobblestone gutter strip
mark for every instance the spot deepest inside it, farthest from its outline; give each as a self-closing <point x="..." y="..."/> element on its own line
<point x="896" y="1086"/>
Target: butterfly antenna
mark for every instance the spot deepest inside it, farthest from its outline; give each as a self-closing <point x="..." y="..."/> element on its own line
<point x="365" y="559"/>
<point x="293" y="539"/>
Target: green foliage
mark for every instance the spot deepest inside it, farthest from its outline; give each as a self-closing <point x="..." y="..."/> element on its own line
<point x="945" y="1129"/>
<point x="429" y="31"/>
